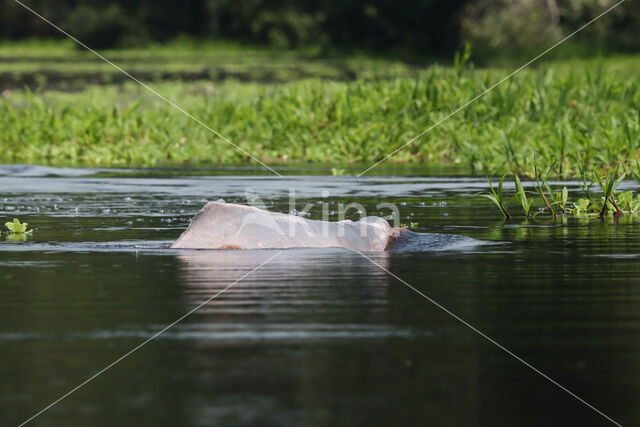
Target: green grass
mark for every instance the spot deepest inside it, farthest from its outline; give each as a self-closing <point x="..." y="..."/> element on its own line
<point x="59" y="65"/>
<point x="566" y="114"/>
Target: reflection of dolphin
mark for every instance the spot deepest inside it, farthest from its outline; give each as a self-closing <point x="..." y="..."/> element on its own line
<point x="230" y="226"/>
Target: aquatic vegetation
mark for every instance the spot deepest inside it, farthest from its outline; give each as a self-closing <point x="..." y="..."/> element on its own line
<point x="521" y="196"/>
<point x="16" y="227"/>
<point x="636" y="171"/>
<point x="581" y="207"/>
<point x="497" y="198"/>
<point x="338" y="172"/>
<point x="543" y="188"/>
<point x="627" y="203"/>
<point x="562" y="199"/>
<point x="608" y="186"/>
<point x="410" y="225"/>
<point x="558" y="203"/>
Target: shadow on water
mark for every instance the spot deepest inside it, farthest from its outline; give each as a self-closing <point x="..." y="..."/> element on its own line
<point x="410" y="241"/>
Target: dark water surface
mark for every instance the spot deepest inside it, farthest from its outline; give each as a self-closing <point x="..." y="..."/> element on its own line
<point x="314" y="337"/>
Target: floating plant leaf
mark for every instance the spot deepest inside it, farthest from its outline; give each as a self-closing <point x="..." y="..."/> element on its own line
<point x="17" y="227"/>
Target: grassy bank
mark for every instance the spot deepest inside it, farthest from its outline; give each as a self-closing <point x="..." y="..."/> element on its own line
<point x="58" y="65"/>
<point x="565" y="112"/>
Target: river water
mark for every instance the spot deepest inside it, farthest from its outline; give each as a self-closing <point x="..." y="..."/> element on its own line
<point x="314" y="336"/>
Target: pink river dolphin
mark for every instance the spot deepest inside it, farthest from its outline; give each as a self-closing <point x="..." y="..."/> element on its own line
<point x="222" y="225"/>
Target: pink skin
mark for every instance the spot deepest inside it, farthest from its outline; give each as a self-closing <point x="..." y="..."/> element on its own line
<point x="231" y="226"/>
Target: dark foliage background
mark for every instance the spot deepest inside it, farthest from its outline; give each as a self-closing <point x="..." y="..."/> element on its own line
<point x="430" y="27"/>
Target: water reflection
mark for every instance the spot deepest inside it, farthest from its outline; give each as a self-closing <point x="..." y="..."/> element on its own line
<point x="286" y="284"/>
<point x="320" y="337"/>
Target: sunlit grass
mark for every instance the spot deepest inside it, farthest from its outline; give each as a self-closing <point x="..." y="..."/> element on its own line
<point x="562" y="114"/>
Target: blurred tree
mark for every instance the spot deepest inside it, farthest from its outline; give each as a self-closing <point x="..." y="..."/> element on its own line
<point x="506" y="27"/>
<point x="509" y="26"/>
<point x="618" y="30"/>
<point x="99" y="27"/>
<point x="426" y="27"/>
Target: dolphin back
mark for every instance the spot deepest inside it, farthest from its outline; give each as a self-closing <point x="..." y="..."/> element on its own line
<point x="230" y="226"/>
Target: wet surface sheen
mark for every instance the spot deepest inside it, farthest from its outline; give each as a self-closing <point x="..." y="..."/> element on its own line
<point x="315" y="337"/>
